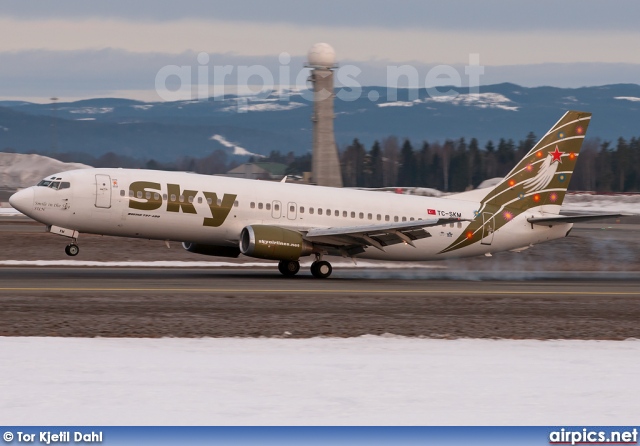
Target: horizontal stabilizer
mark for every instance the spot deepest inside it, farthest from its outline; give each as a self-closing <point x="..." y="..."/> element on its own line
<point x="562" y="219"/>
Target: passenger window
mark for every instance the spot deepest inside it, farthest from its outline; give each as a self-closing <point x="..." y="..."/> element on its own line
<point x="147" y="195"/>
<point x="292" y="208"/>
<point x="259" y="205"/>
<point x="369" y="216"/>
<point x="173" y="197"/>
<point x="199" y="200"/>
<point x="302" y="209"/>
<point x="451" y="225"/>
<point x="319" y="211"/>
<point x="386" y="218"/>
<point x="344" y="214"/>
<point x="219" y="201"/>
<point x="311" y="210"/>
<point x="276" y="207"/>
<point x="395" y="218"/>
<point x="379" y="217"/>
<point x="130" y="193"/>
<point x="236" y="203"/>
<point x="122" y="192"/>
<point x="353" y="214"/>
<point x="329" y="212"/>
<point x="164" y="197"/>
<point x="361" y="215"/>
<point x="459" y="225"/>
<point x="252" y="205"/>
<point x="268" y="206"/>
<point x="181" y="198"/>
<point x="139" y="194"/>
<point x="190" y="199"/>
<point x="411" y="219"/>
<point x="404" y="218"/>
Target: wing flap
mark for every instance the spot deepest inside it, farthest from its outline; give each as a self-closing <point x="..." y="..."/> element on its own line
<point x="379" y="236"/>
<point x="563" y="219"/>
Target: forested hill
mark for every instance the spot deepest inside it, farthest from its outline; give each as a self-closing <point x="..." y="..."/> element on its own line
<point x="165" y="131"/>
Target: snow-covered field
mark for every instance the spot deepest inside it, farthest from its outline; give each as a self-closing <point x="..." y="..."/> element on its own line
<point x="322" y="381"/>
<point x="19" y="170"/>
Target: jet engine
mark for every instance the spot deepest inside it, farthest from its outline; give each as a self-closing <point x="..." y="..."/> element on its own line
<point x="274" y="243"/>
<point x="212" y="250"/>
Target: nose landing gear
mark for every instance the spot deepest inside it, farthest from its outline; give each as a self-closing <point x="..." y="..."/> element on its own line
<point x="72" y="250"/>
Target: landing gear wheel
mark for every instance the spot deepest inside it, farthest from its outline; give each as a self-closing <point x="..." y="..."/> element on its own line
<point x="321" y="269"/>
<point x="289" y="268"/>
<point x="72" y="250"/>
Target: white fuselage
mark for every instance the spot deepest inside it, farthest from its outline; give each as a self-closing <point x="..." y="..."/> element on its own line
<point x="99" y="201"/>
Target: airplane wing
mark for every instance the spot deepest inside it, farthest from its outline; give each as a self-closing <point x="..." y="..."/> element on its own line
<point x="351" y="240"/>
<point x="562" y="219"/>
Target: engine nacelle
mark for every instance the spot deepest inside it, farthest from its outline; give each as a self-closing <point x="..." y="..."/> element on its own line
<point x="274" y="243"/>
<point x="212" y="250"/>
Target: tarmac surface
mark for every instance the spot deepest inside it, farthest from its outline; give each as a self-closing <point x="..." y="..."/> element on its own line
<point x="586" y="286"/>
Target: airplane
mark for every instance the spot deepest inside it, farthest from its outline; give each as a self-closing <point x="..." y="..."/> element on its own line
<point x="226" y="217"/>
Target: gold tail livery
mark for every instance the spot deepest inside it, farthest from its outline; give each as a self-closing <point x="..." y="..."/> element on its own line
<point x="225" y="217"/>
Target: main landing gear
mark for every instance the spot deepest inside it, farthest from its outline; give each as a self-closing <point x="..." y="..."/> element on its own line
<point x="289" y="268"/>
<point x="320" y="268"/>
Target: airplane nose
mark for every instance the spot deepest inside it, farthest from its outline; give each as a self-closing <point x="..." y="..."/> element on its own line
<point x="22" y="200"/>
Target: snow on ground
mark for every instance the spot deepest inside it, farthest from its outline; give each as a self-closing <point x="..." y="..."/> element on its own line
<point x="321" y="381"/>
<point x="92" y="110"/>
<point x="628" y="98"/>
<point x="480" y="100"/>
<point x="589" y="203"/>
<point x="237" y="150"/>
<point x="396" y="104"/>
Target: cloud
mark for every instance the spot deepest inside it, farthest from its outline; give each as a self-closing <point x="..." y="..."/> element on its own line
<point x="40" y="74"/>
<point x="488" y="15"/>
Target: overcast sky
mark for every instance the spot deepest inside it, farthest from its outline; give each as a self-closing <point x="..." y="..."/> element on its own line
<point x="83" y="49"/>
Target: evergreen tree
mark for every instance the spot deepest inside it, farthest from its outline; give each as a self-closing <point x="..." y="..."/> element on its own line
<point x="353" y="165"/>
<point x="375" y="159"/>
<point x="407" y="168"/>
<point x="390" y="161"/>
<point x="604" y="178"/>
<point x="423" y="162"/>
<point x="477" y="163"/>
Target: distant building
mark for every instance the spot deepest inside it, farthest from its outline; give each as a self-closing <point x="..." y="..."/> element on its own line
<point x="259" y="171"/>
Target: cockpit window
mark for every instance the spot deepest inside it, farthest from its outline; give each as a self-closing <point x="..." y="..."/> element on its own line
<point x="55" y="184"/>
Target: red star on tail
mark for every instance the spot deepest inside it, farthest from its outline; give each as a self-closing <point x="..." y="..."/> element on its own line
<point x="557" y="156"/>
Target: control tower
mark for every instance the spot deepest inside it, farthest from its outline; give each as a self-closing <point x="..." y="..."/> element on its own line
<point x="326" y="164"/>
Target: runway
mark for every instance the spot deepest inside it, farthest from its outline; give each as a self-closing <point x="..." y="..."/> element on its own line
<point x="586" y="286"/>
<point x="146" y="302"/>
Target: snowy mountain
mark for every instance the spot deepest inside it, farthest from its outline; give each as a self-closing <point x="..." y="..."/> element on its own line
<point x="282" y="120"/>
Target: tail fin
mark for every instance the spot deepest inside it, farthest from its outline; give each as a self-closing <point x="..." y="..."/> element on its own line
<point x="541" y="178"/>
